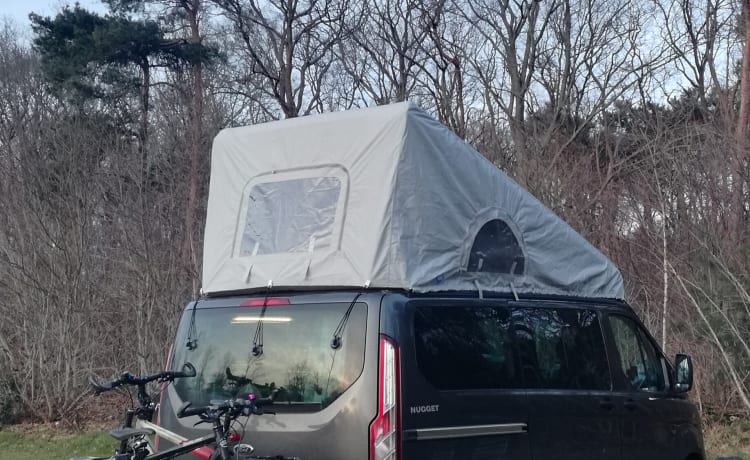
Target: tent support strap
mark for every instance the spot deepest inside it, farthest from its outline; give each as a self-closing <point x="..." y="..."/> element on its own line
<point x="479" y="290"/>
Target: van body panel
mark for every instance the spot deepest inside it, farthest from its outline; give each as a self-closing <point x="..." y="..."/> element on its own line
<point x="461" y="423"/>
<point x="334" y="433"/>
<point x="653" y="422"/>
<point x="441" y="418"/>
<point x="574" y="425"/>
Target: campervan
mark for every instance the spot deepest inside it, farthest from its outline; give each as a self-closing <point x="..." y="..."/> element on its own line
<point x="402" y="298"/>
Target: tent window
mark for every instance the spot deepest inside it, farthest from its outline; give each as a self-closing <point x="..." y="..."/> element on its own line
<point x="290" y="216"/>
<point x="496" y="250"/>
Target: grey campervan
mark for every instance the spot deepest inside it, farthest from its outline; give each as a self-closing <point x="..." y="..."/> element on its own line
<point x="402" y="298"/>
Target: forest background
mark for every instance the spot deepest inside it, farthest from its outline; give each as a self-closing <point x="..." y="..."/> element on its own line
<point x="628" y="118"/>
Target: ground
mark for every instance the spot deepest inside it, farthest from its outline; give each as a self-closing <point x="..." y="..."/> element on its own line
<point x="728" y="437"/>
<point x="50" y="445"/>
<point x="731" y="438"/>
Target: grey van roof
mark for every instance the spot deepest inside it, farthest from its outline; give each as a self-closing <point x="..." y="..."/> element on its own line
<point x="383" y="197"/>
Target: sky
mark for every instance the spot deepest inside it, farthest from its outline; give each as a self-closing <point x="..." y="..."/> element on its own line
<point x="18" y="10"/>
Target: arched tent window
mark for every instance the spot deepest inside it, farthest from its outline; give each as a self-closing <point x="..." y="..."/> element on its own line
<point x="496" y="250"/>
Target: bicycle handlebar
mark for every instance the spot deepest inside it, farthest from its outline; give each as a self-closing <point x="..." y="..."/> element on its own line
<point x="188" y="370"/>
<point x="252" y="405"/>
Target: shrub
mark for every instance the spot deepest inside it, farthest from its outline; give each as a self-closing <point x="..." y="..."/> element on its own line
<point x="10" y="402"/>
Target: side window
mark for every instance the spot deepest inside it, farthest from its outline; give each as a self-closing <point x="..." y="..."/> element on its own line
<point x="461" y="348"/>
<point x="639" y="361"/>
<point x="562" y="348"/>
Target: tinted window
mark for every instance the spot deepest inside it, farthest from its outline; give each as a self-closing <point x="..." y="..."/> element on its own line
<point x="297" y="354"/>
<point x="639" y="361"/>
<point x="496" y="250"/>
<point x="466" y="347"/>
<point x="290" y="216"/>
<point x="562" y="348"/>
<point x="498" y="347"/>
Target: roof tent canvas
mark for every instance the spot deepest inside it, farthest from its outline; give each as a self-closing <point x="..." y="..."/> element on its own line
<point x="383" y="197"/>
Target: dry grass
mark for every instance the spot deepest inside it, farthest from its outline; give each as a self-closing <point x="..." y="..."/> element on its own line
<point x="728" y="436"/>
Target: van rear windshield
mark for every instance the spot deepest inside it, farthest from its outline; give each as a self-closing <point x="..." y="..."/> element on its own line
<point x="298" y="359"/>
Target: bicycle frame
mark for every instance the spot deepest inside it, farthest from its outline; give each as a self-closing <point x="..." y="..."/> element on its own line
<point x="143" y="416"/>
<point x="198" y="447"/>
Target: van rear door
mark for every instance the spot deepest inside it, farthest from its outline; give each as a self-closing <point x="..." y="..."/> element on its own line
<point x="309" y="350"/>
<point x="461" y="382"/>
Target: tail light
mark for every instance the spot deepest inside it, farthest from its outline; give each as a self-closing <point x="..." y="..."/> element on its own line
<point x="269" y="302"/>
<point x="385" y="430"/>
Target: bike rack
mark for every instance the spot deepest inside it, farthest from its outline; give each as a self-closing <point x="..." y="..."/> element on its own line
<point x="170" y="436"/>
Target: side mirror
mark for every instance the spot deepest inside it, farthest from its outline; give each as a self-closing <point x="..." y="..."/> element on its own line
<point x="683" y="373"/>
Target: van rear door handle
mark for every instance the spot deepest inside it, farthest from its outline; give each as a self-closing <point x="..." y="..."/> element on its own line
<point x="630" y="404"/>
<point x="606" y="404"/>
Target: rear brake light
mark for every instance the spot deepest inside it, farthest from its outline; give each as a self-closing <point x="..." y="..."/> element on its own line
<point x="385" y="430"/>
<point x="267" y="302"/>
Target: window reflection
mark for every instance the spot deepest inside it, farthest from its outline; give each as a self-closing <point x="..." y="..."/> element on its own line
<point x="498" y="347"/>
<point x="639" y="360"/>
<point x="297" y="357"/>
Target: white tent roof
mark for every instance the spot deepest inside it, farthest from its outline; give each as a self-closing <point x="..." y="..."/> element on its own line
<point x="382" y="197"/>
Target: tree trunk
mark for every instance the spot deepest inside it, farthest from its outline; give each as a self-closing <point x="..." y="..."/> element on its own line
<point x="143" y="122"/>
<point x="738" y="159"/>
<point x="196" y="146"/>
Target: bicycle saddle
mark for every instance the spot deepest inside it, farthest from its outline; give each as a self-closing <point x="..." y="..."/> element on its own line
<point x="122" y="434"/>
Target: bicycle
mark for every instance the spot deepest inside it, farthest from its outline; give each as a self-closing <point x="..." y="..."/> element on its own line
<point x="134" y="444"/>
<point x="132" y="439"/>
<point x="222" y="414"/>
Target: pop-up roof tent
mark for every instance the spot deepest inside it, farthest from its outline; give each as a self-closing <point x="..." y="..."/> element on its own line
<point x="382" y="197"/>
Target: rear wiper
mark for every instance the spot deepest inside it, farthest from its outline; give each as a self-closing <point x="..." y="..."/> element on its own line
<point x="336" y="341"/>
<point x="192" y="341"/>
<point x="257" y="349"/>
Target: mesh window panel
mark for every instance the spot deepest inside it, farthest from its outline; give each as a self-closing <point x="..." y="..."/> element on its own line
<point x="290" y="216"/>
<point x="496" y="250"/>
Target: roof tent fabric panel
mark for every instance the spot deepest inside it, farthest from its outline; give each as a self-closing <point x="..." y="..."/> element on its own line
<point x="412" y="198"/>
<point x="363" y="145"/>
<point x="444" y="188"/>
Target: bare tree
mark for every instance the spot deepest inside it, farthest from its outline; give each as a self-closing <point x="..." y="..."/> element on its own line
<point x="696" y="31"/>
<point x="198" y="142"/>
<point x="446" y="47"/>
<point x="382" y="51"/>
<point x="738" y="158"/>
<point x="289" y="43"/>
<point x="512" y="32"/>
